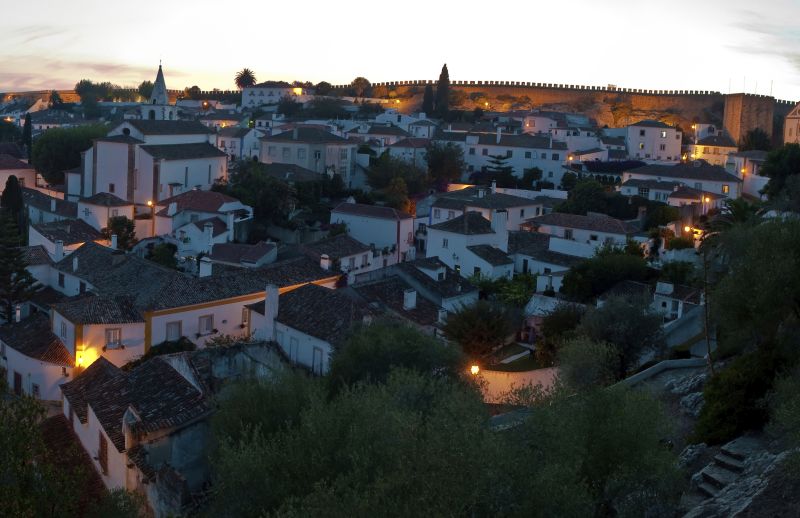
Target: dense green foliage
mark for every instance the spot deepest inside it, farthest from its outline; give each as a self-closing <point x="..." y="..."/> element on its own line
<point x="584" y="364"/>
<point x="16" y="283"/>
<point x="9" y="132"/>
<point x="756" y="138"/>
<point x="427" y="101"/>
<point x="481" y="327"/>
<point x="557" y="326"/>
<point x="781" y="164"/>
<point x="164" y="254"/>
<point x="442" y="99"/>
<point x="594" y="276"/>
<point x="445" y="163"/>
<point x="59" y="150"/>
<point x="124" y="229"/>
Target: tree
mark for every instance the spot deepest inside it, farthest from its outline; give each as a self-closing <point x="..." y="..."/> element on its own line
<point x="679" y="272"/>
<point x="596" y="275"/>
<point x="164" y="254"/>
<point x="369" y="110"/>
<point x="323" y="88"/>
<point x="445" y="163"/>
<point x="16" y="283"/>
<point x="124" y="229"/>
<point x="628" y="324"/>
<point x="414" y="442"/>
<point x="145" y="89"/>
<point x="9" y="132"/>
<point x="584" y="364"/>
<point x="385" y="168"/>
<point x="27" y="135"/>
<point x="118" y="503"/>
<point x="288" y="107"/>
<point x="11" y="200"/>
<point x="442" y="100"/>
<point x="59" y="149"/>
<point x="558" y="325"/>
<point x="54" y="100"/>
<point x="427" y="100"/>
<point x="756" y="138"/>
<point x="481" y="327"/>
<point x="781" y="164"/>
<point x="569" y="181"/>
<point x="271" y="199"/>
<point x="360" y="86"/>
<point x="586" y="196"/>
<point x="530" y="176"/>
<point x="396" y="195"/>
<point x="245" y="78"/>
<point x="372" y="351"/>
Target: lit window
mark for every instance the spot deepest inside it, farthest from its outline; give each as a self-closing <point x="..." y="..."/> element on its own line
<point x="726" y="189"/>
<point x="663" y="134"/>
<point x="113" y="337"/>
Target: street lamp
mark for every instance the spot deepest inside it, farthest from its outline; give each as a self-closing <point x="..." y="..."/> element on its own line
<point x="152" y="217"/>
<point x="475" y="370"/>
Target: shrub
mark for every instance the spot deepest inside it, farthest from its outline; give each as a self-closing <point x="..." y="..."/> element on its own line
<point x="680" y="243"/>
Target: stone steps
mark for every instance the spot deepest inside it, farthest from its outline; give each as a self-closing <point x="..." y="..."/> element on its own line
<point x="717" y="476"/>
<point x="707" y="490"/>
<point x="732" y="452"/>
<point x="727" y="461"/>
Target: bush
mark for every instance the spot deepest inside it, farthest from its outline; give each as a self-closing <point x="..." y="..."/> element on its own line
<point x="734" y="398"/>
<point x="680" y="243"/>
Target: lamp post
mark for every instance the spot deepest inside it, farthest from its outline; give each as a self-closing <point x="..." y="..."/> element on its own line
<point x="152" y="217"/>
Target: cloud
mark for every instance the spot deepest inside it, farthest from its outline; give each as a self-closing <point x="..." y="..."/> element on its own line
<point x="774" y="36"/>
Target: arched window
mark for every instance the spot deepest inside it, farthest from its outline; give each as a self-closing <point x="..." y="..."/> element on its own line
<point x="152" y="115"/>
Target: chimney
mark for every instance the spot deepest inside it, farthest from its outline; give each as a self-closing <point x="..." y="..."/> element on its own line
<point x="229" y="221"/>
<point x="59" y="252"/>
<point x="271" y="299"/>
<point x="500" y="227"/>
<point x="17" y="313"/>
<point x="208" y="233"/>
<point x="664" y="288"/>
<point x="481" y="192"/>
<point x="325" y="262"/>
<point x="204" y="267"/>
<point x="172" y="208"/>
<point x="409" y="299"/>
<point x="494" y="186"/>
<point x="295" y="133"/>
<point x="499" y="134"/>
<point x="74" y="263"/>
<point x="442" y="316"/>
<point x="52" y="204"/>
<point x="113" y="241"/>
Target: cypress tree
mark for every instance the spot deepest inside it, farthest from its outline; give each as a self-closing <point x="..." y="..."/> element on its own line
<point x="16" y="283"/>
<point x="427" y="101"/>
<point x="11" y="200"/>
<point x="443" y="93"/>
<point x="27" y="135"/>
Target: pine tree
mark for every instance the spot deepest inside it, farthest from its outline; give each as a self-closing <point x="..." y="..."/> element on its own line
<point x="16" y="283"/>
<point x="27" y="135"/>
<point x="427" y="101"/>
<point x="11" y="200"/>
<point x="443" y="93"/>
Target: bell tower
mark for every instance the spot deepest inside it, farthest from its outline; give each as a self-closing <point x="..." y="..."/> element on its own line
<point x="158" y="107"/>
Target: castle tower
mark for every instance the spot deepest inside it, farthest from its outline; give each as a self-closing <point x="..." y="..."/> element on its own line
<point x="158" y="107"/>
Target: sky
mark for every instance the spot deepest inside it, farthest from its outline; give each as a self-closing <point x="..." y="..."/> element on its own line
<point x="720" y="45"/>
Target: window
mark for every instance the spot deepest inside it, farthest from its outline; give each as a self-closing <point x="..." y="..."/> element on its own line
<point x="641" y="145"/>
<point x="286" y="153"/>
<point x="317" y="360"/>
<point x="451" y="214"/>
<point x="521" y="213"/>
<point x="556" y="156"/>
<point x="567" y="233"/>
<point x="548" y="270"/>
<point x="593" y="237"/>
<point x="209" y="174"/>
<point x="543" y="156"/>
<point x="343" y="154"/>
<point x="111" y="188"/>
<point x="641" y="133"/>
<point x="173" y="331"/>
<point x="206" y="324"/>
<point x="644" y="192"/>
<point x="484" y="152"/>
<point x="364" y="261"/>
<point x="317" y="155"/>
<point x="245" y="317"/>
<point x="444" y="243"/>
<point x="64" y="330"/>
<point x="437" y="213"/>
<point x="114" y="213"/>
<point x="61" y="280"/>
<point x="351" y="263"/>
<point x="698" y="186"/>
<point x="550" y="174"/>
<point x="509" y="153"/>
<point x="440" y="276"/>
<point x="476" y="271"/>
<point x="663" y="134"/>
<point x="35" y="391"/>
<point x="102" y="453"/>
<point x="82" y="287"/>
<point x="271" y="151"/>
<point x="113" y="338"/>
<point x="472" y="151"/>
<point x="662" y="147"/>
<point x="527" y="154"/>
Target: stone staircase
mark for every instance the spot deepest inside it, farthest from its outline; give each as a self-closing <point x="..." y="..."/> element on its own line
<point x="725" y="468"/>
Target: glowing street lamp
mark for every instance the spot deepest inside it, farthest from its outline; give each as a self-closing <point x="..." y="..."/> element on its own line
<point x="474" y="370"/>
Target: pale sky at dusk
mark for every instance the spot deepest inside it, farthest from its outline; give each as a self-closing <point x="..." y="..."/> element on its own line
<point x="682" y="44"/>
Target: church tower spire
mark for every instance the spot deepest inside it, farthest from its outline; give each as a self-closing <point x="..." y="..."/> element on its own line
<point x="159" y="95"/>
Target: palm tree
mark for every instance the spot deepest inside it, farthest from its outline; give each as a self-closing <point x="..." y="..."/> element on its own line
<point x="244" y="78"/>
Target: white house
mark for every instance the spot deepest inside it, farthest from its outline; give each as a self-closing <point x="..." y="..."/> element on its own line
<point x="472" y="245"/>
<point x="411" y="150"/>
<point x="385" y="134"/>
<point x="238" y="143"/>
<point x="436" y="282"/>
<point x="653" y="140"/>
<point x="308" y="323"/>
<point x="747" y="166"/>
<point x="99" y="208"/>
<point x="383" y="228"/>
<point x="42" y="208"/>
<point x="486" y="201"/>
<point x="714" y="149"/>
<point x="348" y="255"/>
<point x="697" y="175"/>
<point x="532" y="254"/>
<point x="269" y="92"/>
<point x="578" y="235"/>
<point x="10" y="166"/>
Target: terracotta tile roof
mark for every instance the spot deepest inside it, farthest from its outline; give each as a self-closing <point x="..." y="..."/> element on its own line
<point x="12" y="149"/>
<point x="416" y="143"/>
<point x="717" y="140"/>
<point x="120" y="139"/>
<point x="335" y="247"/>
<point x="306" y="134"/>
<point x="183" y="151"/>
<point x="372" y="211"/>
<point x="381" y="129"/>
<point x="390" y="293"/>
<point x="43" y="202"/>
<point x="490" y="254"/>
<point x="10" y="162"/>
<point x="592" y="223"/>
<point x="240" y="253"/>
<point x="217" y="225"/>
<point x="451" y="285"/>
<point x="151" y="127"/>
<point x="105" y="199"/>
<point x="627" y="288"/>
<point x="469" y="223"/>
<point x="650" y="123"/>
<point x="201" y="201"/>
<point x="472" y="197"/>
<point x="690" y="171"/>
<point x="688" y="193"/>
<point x="290" y="172"/>
<point x="46" y="297"/>
<point x="527" y="243"/>
<point x="36" y="255"/>
<point x="92" y="309"/>
<point x="650" y="184"/>
<point x="69" y="231"/>
<point x="159" y="395"/>
<point x="234" y="132"/>
<point x="752" y="154"/>
<point x="33" y="338"/>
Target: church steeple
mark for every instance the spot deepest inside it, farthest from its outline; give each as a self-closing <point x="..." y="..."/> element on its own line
<point x="159" y="95"/>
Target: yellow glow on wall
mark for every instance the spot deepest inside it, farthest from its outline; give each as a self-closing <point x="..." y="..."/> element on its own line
<point x="297" y="91"/>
